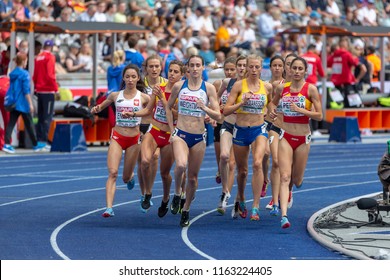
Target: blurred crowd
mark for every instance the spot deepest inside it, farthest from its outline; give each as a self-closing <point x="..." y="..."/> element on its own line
<point x="215" y="29"/>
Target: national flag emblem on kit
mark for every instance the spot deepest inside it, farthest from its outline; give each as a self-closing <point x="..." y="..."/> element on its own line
<point x="136" y="102"/>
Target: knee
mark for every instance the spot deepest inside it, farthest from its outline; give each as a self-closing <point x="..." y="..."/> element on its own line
<point x="275" y="164"/>
<point x="257" y="165"/>
<point x="224" y="158"/>
<point x="181" y="168"/>
<point x="242" y="173"/>
<point x="145" y="164"/>
<point x="166" y="177"/>
<point x="192" y="180"/>
<point x="113" y="173"/>
<point x="285" y="178"/>
<point x="155" y="157"/>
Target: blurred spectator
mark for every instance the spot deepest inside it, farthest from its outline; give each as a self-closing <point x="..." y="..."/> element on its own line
<point x="194" y="20"/>
<point x="252" y="8"/>
<point x="266" y="73"/>
<point x="219" y="60"/>
<point x="142" y="48"/>
<point x="375" y="61"/>
<point x="315" y="19"/>
<point x="205" y="51"/>
<point x="187" y="38"/>
<point x="120" y="15"/>
<point x="182" y="11"/>
<point x="314" y="65"/>
<point x="153" y="37"/>
<point x="72" y="63"/>
<point x="315" y="5"/>
<point x="163" y="11"/>
<point x="132" y="55"/>
<point x="240" y="11"/>
<point x="206" y="23"/>
<point x="368" y="14"/>
<point x="332" y="14"/>
<point x="266" y="25"/>
<point x="89" y="14"/>
<point x="100" y="14"/>
<point x="20" y="89"/>
<point x="247" y="37"/>
<point x="114" y="72"/>
<point x="342" y="62"/>
<point x="46" y="87"/>
<point x="21" y="11"/>
<point x="5" y="61"/>
<point x="57" y="7"/>
<point x="110" y="11"/>
<point x="85" y="57"/>
<point x="140" y="9"/>
<point x="177" y="50"/>
<point x="363" y="79"/>
<point x="7" y="10"/>
<point x="222" y="37"/>
<point x="289" y="13"/>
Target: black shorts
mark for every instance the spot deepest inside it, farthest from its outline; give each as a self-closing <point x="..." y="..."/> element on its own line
<point x="144" y="127"/>
<point x="228" y="127"/>
<point x="217" y="131"/>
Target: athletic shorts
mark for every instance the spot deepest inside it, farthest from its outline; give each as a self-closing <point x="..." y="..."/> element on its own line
<point x="160" y="136"/>
<point x="144" y="127"/>
<point x="125" y="141"/>
<point x="190" y="139"/>
<point x="268" y="125"/>
<point x="245" y="136"/>
<point x="227" y="127"/>
<point x="217" y="132"/>
<point x="296" y="141"/>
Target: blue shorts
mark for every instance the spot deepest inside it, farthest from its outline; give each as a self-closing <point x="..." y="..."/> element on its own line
<point x="245" y="136"/>
<point x="190" y="139"/>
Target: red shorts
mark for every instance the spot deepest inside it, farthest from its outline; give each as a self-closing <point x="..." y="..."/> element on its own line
<point x="125" y="141"/>
<point x="160" y="136"/>
<point x="296" y="141"/>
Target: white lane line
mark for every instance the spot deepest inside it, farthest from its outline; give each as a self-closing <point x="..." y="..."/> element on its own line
<point x="184" y="232"/>
<point x="49" y="196"/>
<point x="53" y="236"/>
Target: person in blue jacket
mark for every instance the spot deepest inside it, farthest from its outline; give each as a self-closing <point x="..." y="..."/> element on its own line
<point x="19" y="90"/>
<point x="114" y="72"/>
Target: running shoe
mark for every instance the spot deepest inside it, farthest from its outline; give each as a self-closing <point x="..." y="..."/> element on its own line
<point x="242" y="210"/>
<point x="290" y="200"/>
<point x="146" y="202"/>
<point x="284" y="223"/>
<point x="274" y="211"/>
<point x="175" y="204"/>
<point x="270" y="204"/>
<point x="8" y="149"/>
<point x="218" y="178"/>
<point x="182" y="202"/>
<point x="142" y="200"/>
<point x="223" y="203"/>
<point x="163" y="209"/>
<point x="108" y="213"/>
<point x="255" y="214"/>
<point x="235" y="211"/>
<point x="264" y="189"/>
<point x="39" y="147"/>
<point x="131" y="183"/>
<point x="185" y="218"/>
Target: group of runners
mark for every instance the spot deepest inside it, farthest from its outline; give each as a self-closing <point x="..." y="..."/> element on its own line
<point x="250" y="115"/>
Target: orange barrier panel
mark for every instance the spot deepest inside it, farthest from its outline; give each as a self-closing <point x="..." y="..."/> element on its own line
<point x="56" y="121"/>
<point x="98" y="132"/>
<point x="370" y="118"/>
